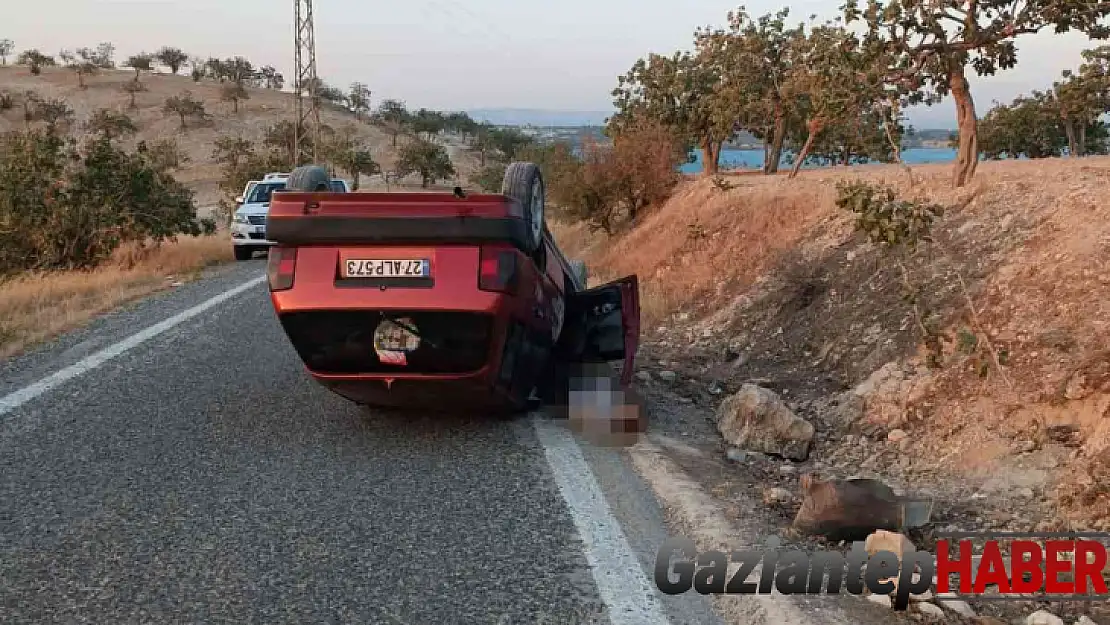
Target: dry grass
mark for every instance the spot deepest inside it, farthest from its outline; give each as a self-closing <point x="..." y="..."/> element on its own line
<point x="36" y="307"/>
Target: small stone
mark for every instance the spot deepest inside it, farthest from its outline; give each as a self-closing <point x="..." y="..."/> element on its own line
<point x="715" y="388"/>
<point x="930" y="610"/>
<point x="1024" y="447"/>
<point x="1043" y="617"/>
<point x="668" y="376"/>
<point x="850" y="439"/>
<point x="959" y="607"/>
<point x="643" y="376"/>
<point x="736" y="454"/>
<point x="1085" y="620"/>
<point x="896" y="435"/>
<point x="788" y="469"/>
<point x="777" y="496"/>
<point x="1025" y="493"/>
<point x="883" y="600"/>
<point x="176" y="284"/>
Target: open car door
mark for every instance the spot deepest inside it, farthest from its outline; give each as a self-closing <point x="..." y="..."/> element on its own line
<point x="607" y="325"/>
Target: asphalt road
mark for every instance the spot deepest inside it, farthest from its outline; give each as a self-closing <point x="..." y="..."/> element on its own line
<point x="200" y="476"/>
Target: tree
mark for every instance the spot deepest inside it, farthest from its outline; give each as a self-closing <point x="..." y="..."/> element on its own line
<point x="185" y="106"/>
<point x="234" y="92"/>
<point x="357" y="161"/>
<point x="685" y="93"/>
<point x="645" y="164"/>
<point x="359" y="99"/>
<point x="508" y="141"/>
<point x="35" y="60"/>
<point x="164" y="154"/>
<point x="238" y="70"/>
<point x="757" y="59"/>
<point x="7" y="46"/>
<point x="837" y="82"/>
<point x="427" y="123"/>
<point x="83" y="63"/>
<point x="483" y="142"/>
<point x="271" y="78"/>
<point x="393" y="117"/>
<point x="931" y="45"/>
<point x="133" y="88"/>
<point x="198" y="68"/>
<point x="54" y="113"/>
<point x="1033" y="127"/>
<point x="103" y="56"/>
<point x="110" y="124"/>
<point x="231" y="151"/>
<point x="173" y="58"/>
<point x="460" y="123"/>
<point x="428" y="159"/>
<point x="1084" y="96"/>
<point x="282" y="137"/>
<point x="140" y="63"/>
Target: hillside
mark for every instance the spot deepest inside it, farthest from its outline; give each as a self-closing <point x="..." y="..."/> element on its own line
<point x="264" y="108"/>
<point x="769" y="283"/>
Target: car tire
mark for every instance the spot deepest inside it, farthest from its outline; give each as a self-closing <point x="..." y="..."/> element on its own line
<point x="243" y="252"/>
<point x="524" y="183"/>
<point x="578" y="267"/>
<point x="309" y="179"/>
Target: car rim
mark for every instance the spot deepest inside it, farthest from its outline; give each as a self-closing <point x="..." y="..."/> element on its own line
<point x="537" y="208"/>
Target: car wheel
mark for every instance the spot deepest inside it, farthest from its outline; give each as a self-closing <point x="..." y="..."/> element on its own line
<point x="243" y="252"/>
<point x="578" y="267"/>
<point x="309" y="179"/>
<point x="523" y="182"/>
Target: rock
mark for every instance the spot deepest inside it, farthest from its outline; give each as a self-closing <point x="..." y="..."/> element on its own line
<point x="756" y="419"/>
<point x="1024" y="447"/>
<point x="893" y="542"/>
<point x="1025" y="493"/>
<point x="668" y="376"/>
<point x="989" y="620"/>
<point x="643" y="376"/>
<point x="849" y="409"/>
<point x="176" y="284"/>
<point x="897" y="435"/>
<point x="930" y="610"/>
<point x="788" y="469"/>
<point x="1043" y="617"/>
<point x="852" y="509"/>
<point x="1085" y="620"/>
<point x="736" y="454"/>
<point x="883" y="600"/>
<point x="773" y="496"/>
<point x="715" y="388"/>
<point x="959" y="607"/>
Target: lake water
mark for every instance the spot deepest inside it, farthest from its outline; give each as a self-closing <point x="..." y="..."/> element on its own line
<point x="753" y="159"/>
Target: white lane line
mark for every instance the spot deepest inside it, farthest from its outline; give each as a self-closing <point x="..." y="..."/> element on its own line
<point x="16" y="399"/>
<point x="632" y="599"/>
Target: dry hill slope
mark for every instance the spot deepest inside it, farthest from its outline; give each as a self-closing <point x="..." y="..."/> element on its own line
<point x="264" y="108"/>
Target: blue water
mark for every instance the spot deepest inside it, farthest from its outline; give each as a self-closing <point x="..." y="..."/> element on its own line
<point x="753" y="159"/>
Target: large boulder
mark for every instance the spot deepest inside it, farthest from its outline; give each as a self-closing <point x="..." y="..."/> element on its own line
<point x="855" y="509"/>
<point x="755" y="419"/>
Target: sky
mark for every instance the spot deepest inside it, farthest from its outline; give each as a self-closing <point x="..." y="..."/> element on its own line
<point x="462" y="54"/>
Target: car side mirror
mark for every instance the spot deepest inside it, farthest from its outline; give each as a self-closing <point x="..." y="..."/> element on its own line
<point x="239" y="200"/>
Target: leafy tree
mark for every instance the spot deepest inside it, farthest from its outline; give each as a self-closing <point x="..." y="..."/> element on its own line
<point x="427" y="123"/>
<point x="185" y="106"/>
<point x="931" y="45"/>
<point x="238" y="70"/>
<point x="460" y="123"/>
<point x="837" y="82"/>
<point x="358" y="98"/>
<point x="428" y="159"/>
<point x="349" y="156"/>
<point x="271" y="78"/>
<point x="489" y="177"/>
<point x="234" y="92"/>
<point x="110" y="124"/>
<point x="685" y="93"/>
<point x="1083" y="97"/>
<point x="757" y="57"/>
<point x="35" y="60"/>
<point x="231" y="151"/>
<point x="508" y="141"/>
<point x="1032" y="127"/>
<point x="140" y="63"/>
<point x="214" y="69"/>
<point x="282" y="138"/>
<point x="393" y="117"/>
<point x="483" y="142"/>
<point x="198" y="69"/>
<point x="103" y="56"/>
<point x="133" y="88"/>
<point x="646" y="157"/>
<point x="7" y="46"/>
<point x="173" y="58"/>
<point x="164" y="154"/>
<point x="330" y="94"/>
<point x="83" y="63"/>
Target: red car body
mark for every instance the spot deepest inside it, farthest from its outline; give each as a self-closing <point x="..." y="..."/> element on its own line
<point x="496" y="323"/>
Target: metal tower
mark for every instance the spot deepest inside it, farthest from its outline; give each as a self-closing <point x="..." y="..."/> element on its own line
<point x="307" y="130"/>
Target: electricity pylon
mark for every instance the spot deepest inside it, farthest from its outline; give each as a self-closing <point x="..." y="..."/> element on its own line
<point x="307" y="130"/>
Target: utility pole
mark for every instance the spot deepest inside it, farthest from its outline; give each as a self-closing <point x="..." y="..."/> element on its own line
<point x="305" y="80"/>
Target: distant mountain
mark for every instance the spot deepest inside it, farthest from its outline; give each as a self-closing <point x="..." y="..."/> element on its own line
<point x="539" y="117"/>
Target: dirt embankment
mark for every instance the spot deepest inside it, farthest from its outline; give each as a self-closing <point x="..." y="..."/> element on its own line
<point x="1006" y="422"/>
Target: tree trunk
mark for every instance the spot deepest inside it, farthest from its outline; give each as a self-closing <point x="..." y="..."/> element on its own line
<point x="711" y="155"/>
<point x="235" y="105"/>
<point x="815" y="126"/>
<point x="133" y="100"/>
<point x="1081" y="143"/>
<point x="778" y="136"/>
<point x="356" y="180"/>
<point x="394" y="139"/>
<point x="967" y="154"/>
<point x="1069" y="130"/>
<point x="182" y="115"/>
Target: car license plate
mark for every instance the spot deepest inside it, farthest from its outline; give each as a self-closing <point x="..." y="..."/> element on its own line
<point x="418" y="268"/>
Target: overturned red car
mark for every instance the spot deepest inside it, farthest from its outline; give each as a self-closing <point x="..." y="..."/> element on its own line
<point x="440" y="300"/>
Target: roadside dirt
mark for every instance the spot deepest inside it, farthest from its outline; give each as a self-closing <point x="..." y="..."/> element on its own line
<point x="768" y="283"/>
